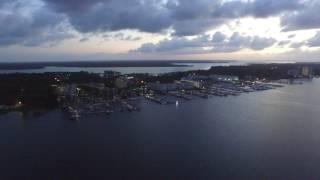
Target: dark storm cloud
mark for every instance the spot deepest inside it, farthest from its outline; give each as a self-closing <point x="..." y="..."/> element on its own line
<point x="179" y="17"/>
<point x="265" y="8"/>
<point x="306" y="18"/>
<point x="29" y="28"/>
<point x="186" y="17"/>
<point x="257" y="8"/>
<point x="4" y="2"/>
<point x="72" y="5"/>
<point x="113" y="15"/>
<point x="216" y="43"/>
<point x="194" y="27"/>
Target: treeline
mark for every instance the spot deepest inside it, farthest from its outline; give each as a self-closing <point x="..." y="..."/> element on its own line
<point x="261" y="71"/>
<point x="39" y="90"/>
<point x="268" y="71"/>
<point x="29" y="89"/>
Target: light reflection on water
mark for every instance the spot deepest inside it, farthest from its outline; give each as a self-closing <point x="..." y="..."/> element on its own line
<point x="262" y="135"/>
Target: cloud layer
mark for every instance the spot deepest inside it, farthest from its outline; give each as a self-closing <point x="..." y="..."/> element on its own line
<point x="38" y="22"/>
<point x="184" y="17"/>
<point x="206" y="44"/>
<point x="306" y="18"/>
<point x="30" y="27"/>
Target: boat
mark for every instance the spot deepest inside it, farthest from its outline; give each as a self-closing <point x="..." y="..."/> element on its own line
<point x="73" y="113"/>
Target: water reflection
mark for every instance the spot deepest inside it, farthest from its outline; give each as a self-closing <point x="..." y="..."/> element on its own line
<point x="262" y="135"/>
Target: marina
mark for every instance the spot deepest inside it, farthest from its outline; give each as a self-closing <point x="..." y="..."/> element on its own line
<point x="83" y="102"/>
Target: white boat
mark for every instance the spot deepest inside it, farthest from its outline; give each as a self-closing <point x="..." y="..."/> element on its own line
<point x="74" y="115"/>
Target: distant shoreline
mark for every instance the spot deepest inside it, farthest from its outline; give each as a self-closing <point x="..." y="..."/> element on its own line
<point x="96" y="64"/>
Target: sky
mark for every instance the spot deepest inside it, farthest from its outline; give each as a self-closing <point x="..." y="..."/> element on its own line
<point x="67" y="30"/>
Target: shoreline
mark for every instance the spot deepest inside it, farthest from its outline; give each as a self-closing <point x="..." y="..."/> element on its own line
<point x="101" y="64"/>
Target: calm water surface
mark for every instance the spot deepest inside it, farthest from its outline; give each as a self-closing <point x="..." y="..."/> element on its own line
<point x="263" y="135"/>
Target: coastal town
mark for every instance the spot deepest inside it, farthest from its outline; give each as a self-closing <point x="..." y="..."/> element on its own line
<point x="85" y="94"/>
<point x="95" y="98"/>
<point x="122" y="91"/>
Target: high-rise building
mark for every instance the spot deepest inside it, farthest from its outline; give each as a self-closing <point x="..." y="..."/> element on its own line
<point x="121" y="82"/>
<point x="306" y="71"/>
<point x="111" y="74"/>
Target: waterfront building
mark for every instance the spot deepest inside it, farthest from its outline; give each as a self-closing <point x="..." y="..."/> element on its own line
<point x="109" y="93"/>
<point x="71" y="91"/>
<point x="294" y="73"/>
<point x="162" y="87"/>
<point x="111" y="74"/>
<point x="224" y="78"/>
<point x="195" y="77"/>
<point x="121" y="82"/>
<point x="306" y="71"/>
<point x="284" y="81"/>
<point x="184" y="85"/>
<point x="191" y="83"/>
<point x="97" y="86"/>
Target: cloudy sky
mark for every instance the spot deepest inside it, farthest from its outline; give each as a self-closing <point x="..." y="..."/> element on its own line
<point x="48" y="30"/>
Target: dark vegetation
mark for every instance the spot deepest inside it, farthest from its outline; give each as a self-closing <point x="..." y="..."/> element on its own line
<point x="261" y="71"/>
<point x="268" y="71"/>
<point x="38" y="90"/>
